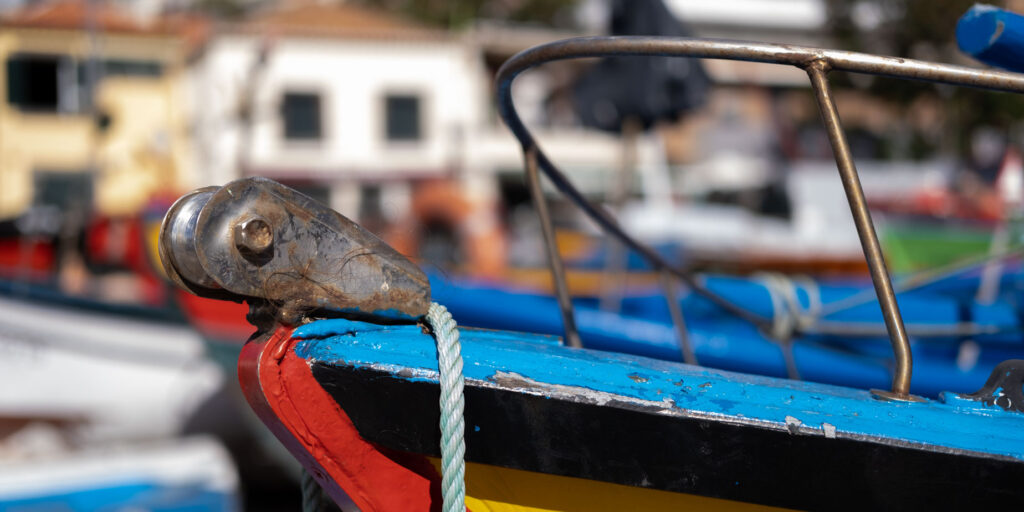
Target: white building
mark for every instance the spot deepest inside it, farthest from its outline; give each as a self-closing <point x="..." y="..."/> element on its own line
<point x="326" y="97"/>
<point x="354" y="106"/>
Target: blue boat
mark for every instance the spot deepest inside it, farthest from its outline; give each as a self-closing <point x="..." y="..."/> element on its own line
<point x="963" y="339"/>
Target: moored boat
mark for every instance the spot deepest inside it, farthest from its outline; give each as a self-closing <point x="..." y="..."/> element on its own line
<point x="957" y="341"/>
<point x="548" y="426"/>
<point x="351" y="356"/>
<point x="101" y="369"/>
<point x="194" y="474"/>
<point x="555" y="428"/>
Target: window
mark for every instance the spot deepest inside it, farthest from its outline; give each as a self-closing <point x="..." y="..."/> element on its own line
<point x="122" y="67"/>
<point x="33" y="82"/>
<point x="300" y="114"/>
<point x="60" y="84"/>
<point x="403" y="117"/>
<point x="68" y="191"/>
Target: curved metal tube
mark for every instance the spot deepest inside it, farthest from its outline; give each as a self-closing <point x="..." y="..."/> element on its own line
<point x="817" y="62"/>
<point x="572" y="335"/>
<point x="865" y="229"/>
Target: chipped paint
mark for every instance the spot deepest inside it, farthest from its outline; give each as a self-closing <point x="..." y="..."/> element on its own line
<point x="793" y="425"/>
<point x="829" y="430"/>
<point x="503" y="359"/>
<point x="578" y="394"/>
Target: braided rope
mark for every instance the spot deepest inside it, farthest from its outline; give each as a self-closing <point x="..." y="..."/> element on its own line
<point x="453" y="445"/>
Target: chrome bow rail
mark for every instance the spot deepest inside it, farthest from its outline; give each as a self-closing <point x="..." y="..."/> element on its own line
<point x="816" y="62"/>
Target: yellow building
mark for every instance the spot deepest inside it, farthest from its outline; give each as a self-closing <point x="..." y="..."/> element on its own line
<point x="92" y="110"/>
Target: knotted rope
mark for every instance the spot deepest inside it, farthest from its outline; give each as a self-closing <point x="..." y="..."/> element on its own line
<point x="788" y="314"/>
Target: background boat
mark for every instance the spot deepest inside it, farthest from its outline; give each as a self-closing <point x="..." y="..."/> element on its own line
<point x="191" y="474"/>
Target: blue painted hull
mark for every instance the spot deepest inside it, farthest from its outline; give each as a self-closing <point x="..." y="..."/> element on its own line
<point x="535" y="405"/>
<point x="723" y="341"/>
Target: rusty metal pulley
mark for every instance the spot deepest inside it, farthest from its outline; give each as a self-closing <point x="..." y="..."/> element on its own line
<point x="257" y="240"/>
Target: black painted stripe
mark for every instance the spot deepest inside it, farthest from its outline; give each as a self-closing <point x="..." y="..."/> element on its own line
<point x="626" y="444"/>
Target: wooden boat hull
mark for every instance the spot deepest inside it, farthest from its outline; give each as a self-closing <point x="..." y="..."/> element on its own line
<point x="357" y="405"/>
<point x="360" y="473"/>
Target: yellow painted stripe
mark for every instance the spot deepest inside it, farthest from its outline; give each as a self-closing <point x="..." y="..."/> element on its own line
<point x="496" y="489"/>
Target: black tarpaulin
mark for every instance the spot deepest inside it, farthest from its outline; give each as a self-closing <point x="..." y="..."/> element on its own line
<point x="648" y="89"/>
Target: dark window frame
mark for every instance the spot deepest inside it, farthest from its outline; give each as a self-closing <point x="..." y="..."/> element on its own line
<point x="26" y="91"/>
<point x="313" y="133"/>
<point x="132" y="68"/>
<point x="69" y="92"/>
<point x="68" y="190"/>
<point x="398" y="135"/>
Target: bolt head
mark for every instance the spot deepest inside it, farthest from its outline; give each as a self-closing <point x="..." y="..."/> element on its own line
<point x="253" y="237"/>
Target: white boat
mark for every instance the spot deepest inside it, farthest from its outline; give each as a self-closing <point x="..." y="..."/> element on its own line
<point x="194" y="474"/>
<point x="101" y="376"/>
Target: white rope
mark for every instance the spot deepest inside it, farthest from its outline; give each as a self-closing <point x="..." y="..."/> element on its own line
<point x="812" y="313"/>
<point x="789" y="314"/>
<point x="791" y="317"/>
<point x="453" y="425"/>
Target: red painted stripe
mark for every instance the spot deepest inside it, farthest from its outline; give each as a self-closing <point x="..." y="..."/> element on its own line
<point x="281" y="388"/>
<point x="218" y="320"/>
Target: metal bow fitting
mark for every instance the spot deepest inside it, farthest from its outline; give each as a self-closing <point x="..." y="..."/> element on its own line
<point x="259" y="241"/>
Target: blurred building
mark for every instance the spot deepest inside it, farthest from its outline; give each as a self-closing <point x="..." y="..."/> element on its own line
<point x="755" y="112"/>
<point x="386" y="120"/>
<point x="339" y="101"/>
<point x="92" y="116"/>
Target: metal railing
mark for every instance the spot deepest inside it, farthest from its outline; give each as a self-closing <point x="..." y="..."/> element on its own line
<point x="816" y="62"/>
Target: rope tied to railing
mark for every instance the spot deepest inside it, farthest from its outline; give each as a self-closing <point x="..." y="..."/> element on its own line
<point x="453" y="424"/>
<point x="789" y="316"/>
